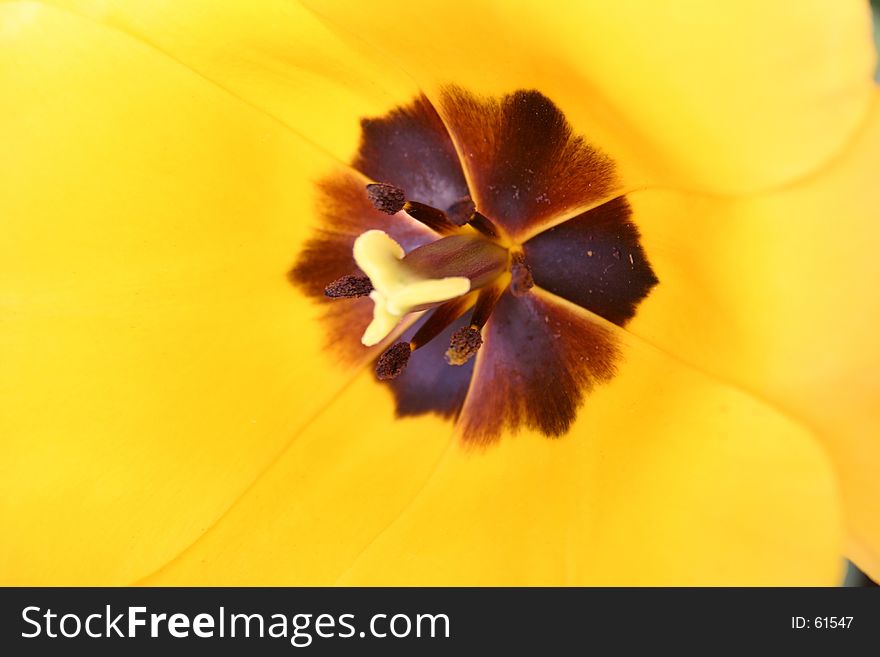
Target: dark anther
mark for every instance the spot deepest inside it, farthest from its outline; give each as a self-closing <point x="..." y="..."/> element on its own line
<point x="386" y="198"/>
<point x="349" y="287"/>
<point x="464" y="345"/>
<point x="393" y="361"/>
<point x="521" y="280"/>
<point x="461" y="211"/>
<point x="391" y="200"/>
<point x="483" y="225"/>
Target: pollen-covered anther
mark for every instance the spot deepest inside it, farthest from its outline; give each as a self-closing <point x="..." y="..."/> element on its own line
<point x="521" y="279"/>
<point x="349" y="287"/>
<point x="386" y="198"/>
<point x="393" y="361"/>
<point x="391" y="199"/>
<point x="463" y="345"/>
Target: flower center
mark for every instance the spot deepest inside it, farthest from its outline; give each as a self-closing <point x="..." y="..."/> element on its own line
<point x="440" y="273"/>
<point x="492" y="230"/>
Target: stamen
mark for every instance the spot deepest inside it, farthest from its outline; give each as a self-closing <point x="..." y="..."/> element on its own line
<point x="521" y="279"/>
<point x="349" y="287"/>
<point x="482" y="224"/>
<point x="486" y="301"/>
<point x="433" y="218"/>
<point x="386" y="198"/>
<point x="391" y="199"/>
<point x="464" y="211"/>
<point x="464" y="345"/>
<point x="439" y="320"/>
<point x="466" y="341"/>
<point x="393" y="361"/>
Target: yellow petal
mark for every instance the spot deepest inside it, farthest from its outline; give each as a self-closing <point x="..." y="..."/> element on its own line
<point x="666" y="478"/>
<point x="141" y="233"/>
<point x="272" y="54"/>
<point x="778" y="293"/>
<point x="729" y="98"/>
<point x="155" y="359"/>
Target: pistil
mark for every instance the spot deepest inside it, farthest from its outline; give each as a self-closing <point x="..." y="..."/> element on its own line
<point x="438" y="275"/>
<point x="429" y="275"/>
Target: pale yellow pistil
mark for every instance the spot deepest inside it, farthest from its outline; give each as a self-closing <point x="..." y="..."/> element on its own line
<point x="397" y="288"/>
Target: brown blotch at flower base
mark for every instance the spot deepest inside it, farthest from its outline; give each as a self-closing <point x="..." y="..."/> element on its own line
<point x="524" y="359"/>
<point x="526" y="165"/>
<point x="545" y="357"/>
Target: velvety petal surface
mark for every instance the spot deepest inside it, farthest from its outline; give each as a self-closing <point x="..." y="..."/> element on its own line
<point x="155" y="357"/>
<point x="684" y="93"/>
<point x="666" y="478"/>
<point x="272" y="54"/>
<point x="411" y="148"/>
<point x="525" y="165"/>
<point x="594" y="260"/>
<point x="778" y="293"/>
<point x="539" y="361"/>
<point x="142" y="231"/>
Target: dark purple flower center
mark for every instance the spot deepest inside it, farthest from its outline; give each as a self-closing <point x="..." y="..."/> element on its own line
<point x="533" y="334"/>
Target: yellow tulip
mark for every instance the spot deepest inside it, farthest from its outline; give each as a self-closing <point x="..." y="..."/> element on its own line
<point x="172" y="412"/>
